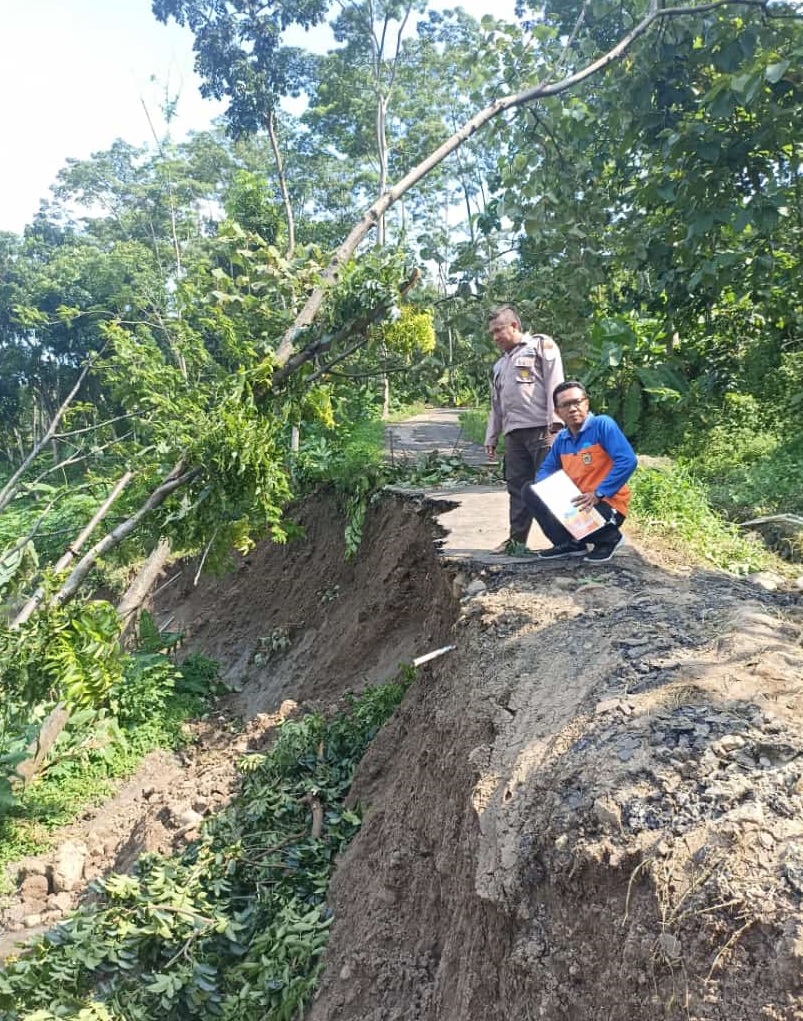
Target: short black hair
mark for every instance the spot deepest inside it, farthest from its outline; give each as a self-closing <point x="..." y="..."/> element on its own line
<point x="508" y="311"/>
<point x="569" y="384"/>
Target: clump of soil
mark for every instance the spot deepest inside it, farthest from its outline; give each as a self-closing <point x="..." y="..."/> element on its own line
<point x="591" y="809"/>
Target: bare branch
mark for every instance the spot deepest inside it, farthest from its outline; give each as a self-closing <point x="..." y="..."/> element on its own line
<point x="72" y="550"/>
<point x="286" y="201"/>
<point x="139" y="589"/>
<point x="93" y="428"/>
<point x="78" y="456"/>
<point x="9" y="490"/>
<point x="173" y="481"/>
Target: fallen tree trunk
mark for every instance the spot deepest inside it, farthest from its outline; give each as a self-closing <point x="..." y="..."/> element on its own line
<point x="140" y="588"/>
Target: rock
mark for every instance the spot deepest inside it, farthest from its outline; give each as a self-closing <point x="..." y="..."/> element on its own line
<point x="727" y="743"/>
<point x="32" y="921"/>
<point x="33" y="867"/>
<point x="61" y="902"/>
<point x="14" y="916"/>
<point x="68" y="867"/>
<point x="607" y="705"/>
<point x="475" y="588"/>
<point x="95" y="843"/>
<point x="189" y="818"/>
<point x="608" y="813"/>
<point x="767" y="580"/>
<point x="34" y="888"/>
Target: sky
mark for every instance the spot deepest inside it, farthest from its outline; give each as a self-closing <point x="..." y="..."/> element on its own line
<point x="77" y="74"/>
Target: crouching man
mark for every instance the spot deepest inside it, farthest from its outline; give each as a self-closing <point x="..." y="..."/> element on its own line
<point x="594" y="452"/>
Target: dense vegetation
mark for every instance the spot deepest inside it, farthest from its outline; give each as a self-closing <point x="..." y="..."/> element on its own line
<point x="187" y="342"/>
<point x="235" y="928"/>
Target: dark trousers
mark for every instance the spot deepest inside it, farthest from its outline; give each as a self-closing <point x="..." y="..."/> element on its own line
<point x="558" y="535"/>
<point x="525" y="449"/>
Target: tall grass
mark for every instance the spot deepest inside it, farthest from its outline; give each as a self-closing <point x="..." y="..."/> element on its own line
<point x="669" y="503"/>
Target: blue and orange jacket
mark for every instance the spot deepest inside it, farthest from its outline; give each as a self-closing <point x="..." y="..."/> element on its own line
<point x="598" y="459"/>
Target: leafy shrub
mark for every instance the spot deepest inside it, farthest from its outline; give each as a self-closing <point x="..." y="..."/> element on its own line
<point x="198" y="676"/>
<point x="144" y="690"/>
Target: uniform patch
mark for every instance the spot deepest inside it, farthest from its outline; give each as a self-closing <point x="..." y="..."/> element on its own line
<point x="525" y="370"/>
<point x="586" y="458"/>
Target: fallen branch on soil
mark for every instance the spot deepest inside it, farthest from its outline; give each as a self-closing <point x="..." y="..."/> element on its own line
<point x="788" y="519"/>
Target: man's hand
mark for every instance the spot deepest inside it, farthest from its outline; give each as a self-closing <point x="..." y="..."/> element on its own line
<point x="490" y="450"/>
<point x="585" y="501"/>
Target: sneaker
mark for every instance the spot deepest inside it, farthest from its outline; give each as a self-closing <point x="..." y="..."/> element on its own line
<point x="599" y="554"/>
<point x="568" y="549"/>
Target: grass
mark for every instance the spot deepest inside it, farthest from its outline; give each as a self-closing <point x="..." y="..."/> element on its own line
<point x="669" y="503"/>
<point x="473" y="422"/>
<point x="408" y="411"/>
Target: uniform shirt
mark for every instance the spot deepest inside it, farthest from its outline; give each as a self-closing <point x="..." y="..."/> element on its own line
<point x="521" y="391"/>
<point x="598" y="459"/>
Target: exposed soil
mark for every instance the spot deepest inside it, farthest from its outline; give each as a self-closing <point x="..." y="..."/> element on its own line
<point x="591" y="809"/>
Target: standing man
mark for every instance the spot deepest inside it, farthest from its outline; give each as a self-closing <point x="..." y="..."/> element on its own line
<point x="521" y="409"/>
<point x="594" y="452"/>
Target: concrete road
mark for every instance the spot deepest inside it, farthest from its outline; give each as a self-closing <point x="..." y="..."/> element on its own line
<point x="474" y="517"/>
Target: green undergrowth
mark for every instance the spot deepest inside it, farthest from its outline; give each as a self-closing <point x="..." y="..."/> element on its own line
<point x="473" y="422"/>
<point x="670" y="504"/>
<point x="234" y="928"/>
<point x="98" y="748"/>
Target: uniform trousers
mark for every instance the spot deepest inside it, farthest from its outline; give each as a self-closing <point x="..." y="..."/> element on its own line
<point x="525" y="449"/>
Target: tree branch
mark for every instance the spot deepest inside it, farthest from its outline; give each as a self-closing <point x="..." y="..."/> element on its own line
<point x="9" y="490"/>
<point x="326" y="343"/>
<point x="174" y="480"/>
<point x="286" y="201"/>
<point x="375" y="212"/>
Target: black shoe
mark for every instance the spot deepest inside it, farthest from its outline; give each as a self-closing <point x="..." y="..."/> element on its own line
<point x="599" y="554"/>
<point x="568" y="549"/>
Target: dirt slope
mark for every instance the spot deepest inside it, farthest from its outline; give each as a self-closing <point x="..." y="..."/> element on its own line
<point x="591" y="809"/>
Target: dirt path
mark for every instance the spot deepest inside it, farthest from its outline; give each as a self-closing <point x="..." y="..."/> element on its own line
<point x="591" y="809"/>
